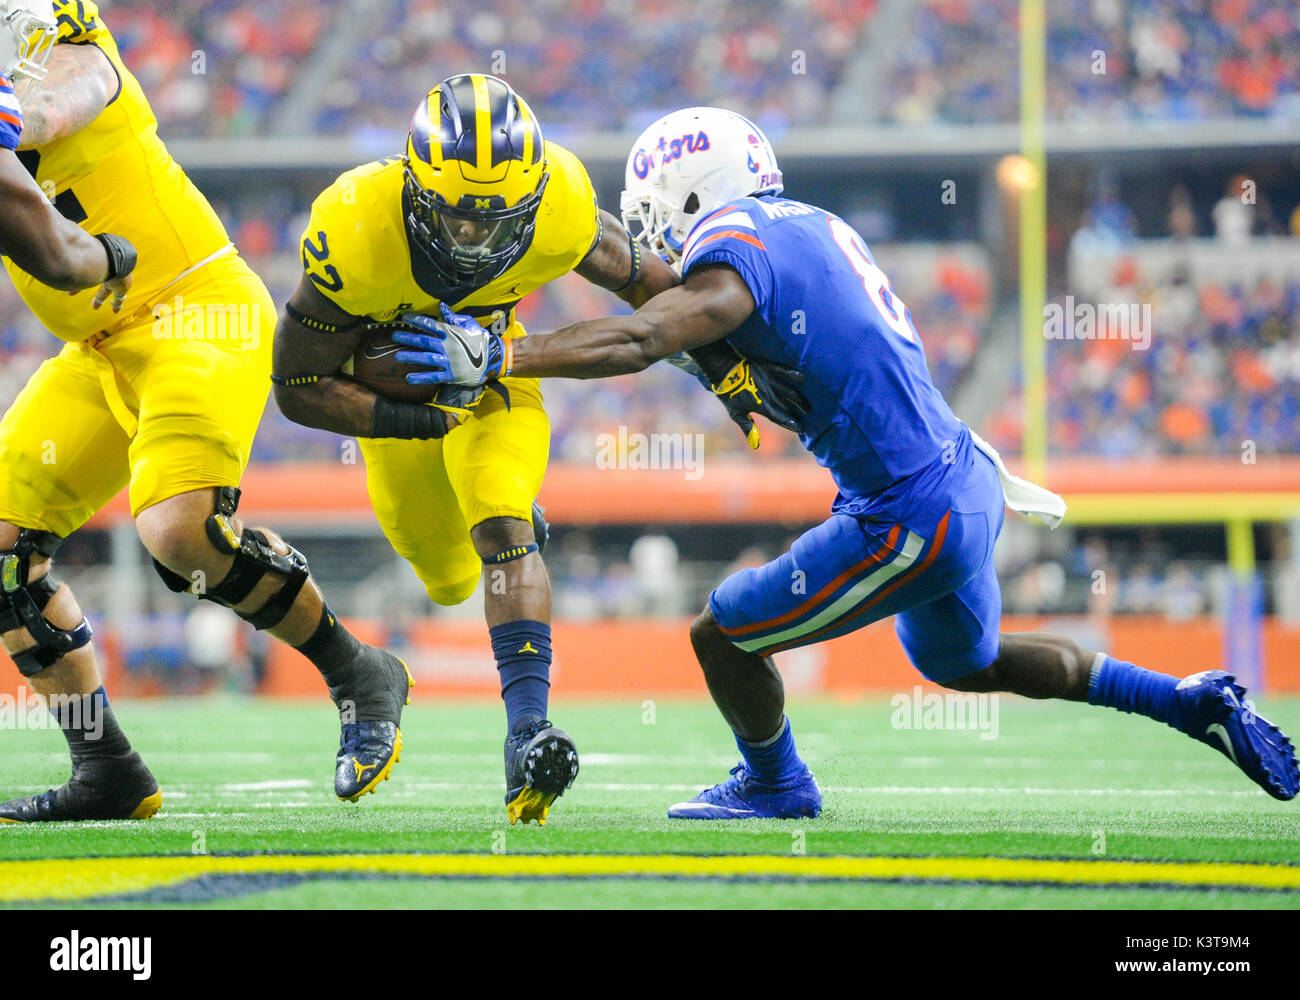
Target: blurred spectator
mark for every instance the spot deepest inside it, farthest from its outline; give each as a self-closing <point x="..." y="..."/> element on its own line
<point x="1108" y="60"/>
<point x="1181" y="221"/>
<point x="1234" y="213"/>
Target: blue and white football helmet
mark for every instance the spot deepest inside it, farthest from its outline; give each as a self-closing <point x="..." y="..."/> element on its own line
<point x="687" y="164"/>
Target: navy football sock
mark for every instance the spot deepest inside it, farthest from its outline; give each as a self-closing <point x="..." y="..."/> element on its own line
<point x="1129" y="688"/>
<point x="773" y="761"/>
<point x="523" y="652"/>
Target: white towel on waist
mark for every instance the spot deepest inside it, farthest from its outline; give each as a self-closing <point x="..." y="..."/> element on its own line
<point x="1021" y="495"/>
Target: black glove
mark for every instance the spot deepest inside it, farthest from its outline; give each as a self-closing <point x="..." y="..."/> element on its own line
<point x="746" y="387"/>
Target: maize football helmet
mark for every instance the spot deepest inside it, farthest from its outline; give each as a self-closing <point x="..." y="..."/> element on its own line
<point x="475" y="175"/>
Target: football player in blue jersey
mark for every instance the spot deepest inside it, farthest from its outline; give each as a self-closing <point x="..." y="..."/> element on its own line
<point x="921" y="497"/>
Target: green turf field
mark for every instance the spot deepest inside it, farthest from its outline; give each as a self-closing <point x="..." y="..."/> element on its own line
<point x="1068" y="807"/>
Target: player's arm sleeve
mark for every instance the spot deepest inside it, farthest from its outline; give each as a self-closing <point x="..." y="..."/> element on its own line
<point x="333" y="249"/>
<point x="582" y="216"/>
<point x="11" y="116"/>
<point x="733" y="242"/>
<point x="79" y="22"/>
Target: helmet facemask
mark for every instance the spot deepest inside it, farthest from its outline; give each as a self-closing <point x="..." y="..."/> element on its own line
<point x="658" y="224"/>
<point x="33" y="40"/>
<point x="471" y="244"/>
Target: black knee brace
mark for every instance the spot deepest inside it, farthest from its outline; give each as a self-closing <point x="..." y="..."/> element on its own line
<point x="254" y="558"/>
<point x="22" y="604"/>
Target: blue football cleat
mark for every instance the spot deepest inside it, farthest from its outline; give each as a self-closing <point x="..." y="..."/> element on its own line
<point x="743" y="796"/>
<point x="1214" y="712"/>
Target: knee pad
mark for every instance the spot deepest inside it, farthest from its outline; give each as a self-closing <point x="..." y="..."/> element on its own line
<point x="254" y="559"/>
<point x="23" y="601"/>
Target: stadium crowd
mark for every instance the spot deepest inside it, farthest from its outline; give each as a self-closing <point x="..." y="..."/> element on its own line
<point x="607" y="64"/>
<point x="1108" y="60"/>
<point x="1222" y="369"/>
<point x="220" y="68"/>
<point x="216" y="67"/>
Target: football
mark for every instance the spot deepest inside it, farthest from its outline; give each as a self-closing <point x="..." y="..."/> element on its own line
<point x="375" y="366"/>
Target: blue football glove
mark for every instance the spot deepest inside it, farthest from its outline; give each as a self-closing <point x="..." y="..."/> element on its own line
<point x="453" y="349"/>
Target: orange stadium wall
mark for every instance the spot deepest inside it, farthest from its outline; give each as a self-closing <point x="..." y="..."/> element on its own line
<point x="635" y="659"/>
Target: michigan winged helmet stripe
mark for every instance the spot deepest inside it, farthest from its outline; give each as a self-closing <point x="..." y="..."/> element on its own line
<point x="481" y="124"/>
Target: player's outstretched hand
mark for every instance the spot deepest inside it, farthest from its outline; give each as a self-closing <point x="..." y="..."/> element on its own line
<point x="766" y="388"/>
<point x="115" y="289"/>
<point x="453" y="349"/>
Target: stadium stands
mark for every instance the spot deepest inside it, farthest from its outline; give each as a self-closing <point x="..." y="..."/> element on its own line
<point x="1173" y="60"/>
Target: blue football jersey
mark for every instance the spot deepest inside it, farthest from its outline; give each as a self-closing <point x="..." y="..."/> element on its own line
<point x="877" y="422"/>
<point x="11" y="117"/>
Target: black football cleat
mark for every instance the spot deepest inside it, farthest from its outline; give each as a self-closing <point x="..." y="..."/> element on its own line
<point x="541" y="762"/>
<point x="111" y="788"/>
<point x="369" y="749"/>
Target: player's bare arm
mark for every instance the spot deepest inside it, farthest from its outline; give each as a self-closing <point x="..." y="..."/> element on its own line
<point x="307" y="388"/>
<point x="315" y="337"/>
<point x="710" y="304"/>
<point x="80" y="83"/>
<point x="619" y="265"/>
<point x="49" y="247"/>
<point x="691" y="319"/>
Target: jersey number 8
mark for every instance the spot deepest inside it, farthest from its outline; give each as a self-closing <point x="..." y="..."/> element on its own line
<point x="874" y="282"/>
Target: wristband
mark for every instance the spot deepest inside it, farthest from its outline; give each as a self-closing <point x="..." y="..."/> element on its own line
<point x="410" y="421"/>
<point x="636" y="265"/>
<point x="121" y="255"/>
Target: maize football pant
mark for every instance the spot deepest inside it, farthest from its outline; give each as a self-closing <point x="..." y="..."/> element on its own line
<point x="427" y="495"/>
<point x="166" y="401"/>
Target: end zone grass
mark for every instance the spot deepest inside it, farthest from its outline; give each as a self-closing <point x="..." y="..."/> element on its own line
<point x="1069" y="806"/>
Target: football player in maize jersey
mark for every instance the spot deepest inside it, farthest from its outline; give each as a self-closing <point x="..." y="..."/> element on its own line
<point x="921" y="497"/>
<point x="163" y="398"/>
<point x="33" y="234"/>
<point x="479" y="212"/>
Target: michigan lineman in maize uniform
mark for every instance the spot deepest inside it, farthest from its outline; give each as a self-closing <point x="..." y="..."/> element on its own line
<point x="479" y="212"/>
<point x="163" y="399"/>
